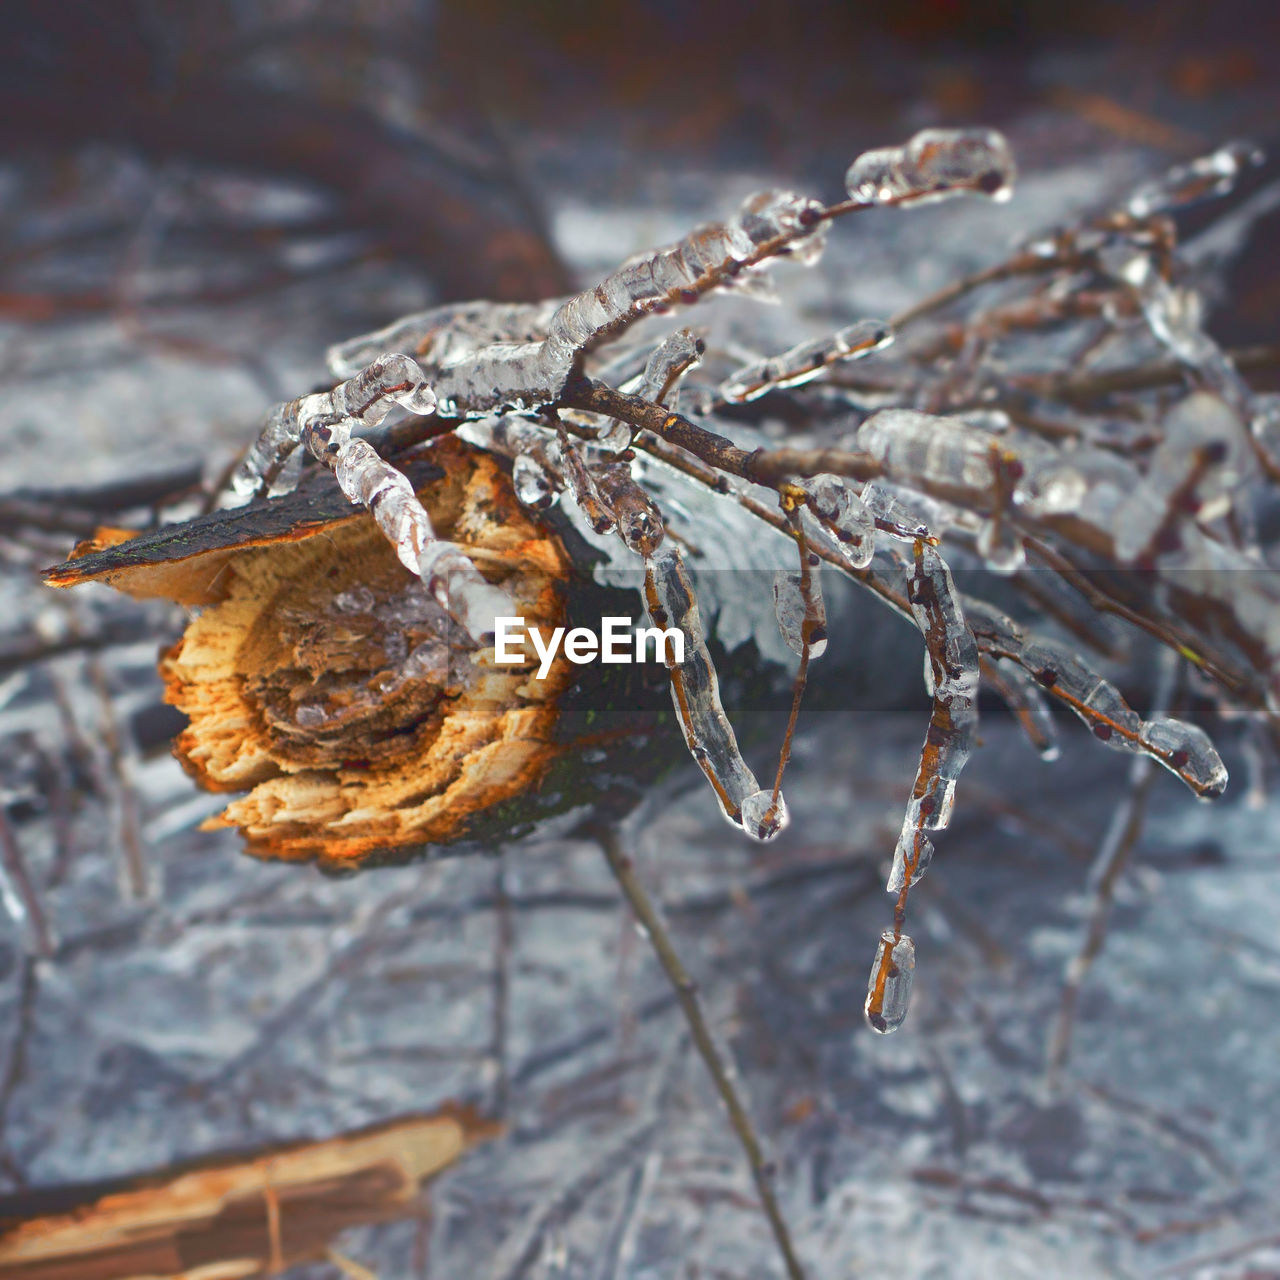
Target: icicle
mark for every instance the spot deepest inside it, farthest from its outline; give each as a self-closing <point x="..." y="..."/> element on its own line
<point x="953" y="723"/>
<point x="889" y="987"/>
<point x="932" y="165"/>
<point x="1202" y="179"/>
<point x="842" y="512"/>
<point x="362" y="401"/>
<point x="695" y="691"/>
<point x="806" y="361"/>
<point x="802" y="620"/>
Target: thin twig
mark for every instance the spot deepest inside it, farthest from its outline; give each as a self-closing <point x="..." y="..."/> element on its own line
<point x="1121" y="837"/>
<point x="19" y="892"/>
<point x="718" y="1066"/>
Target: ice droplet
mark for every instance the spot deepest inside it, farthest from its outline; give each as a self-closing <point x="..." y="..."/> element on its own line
<point x="889" y="987"/>
<point x="762" y="818"/>
<point x="532" y="483"/>
<point x="1187" y="751"/>
<point x="932" y="165"/>
<point x="1000" y="546"/>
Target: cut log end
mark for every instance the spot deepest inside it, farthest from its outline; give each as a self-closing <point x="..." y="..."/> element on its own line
<point x="326" y="682"/>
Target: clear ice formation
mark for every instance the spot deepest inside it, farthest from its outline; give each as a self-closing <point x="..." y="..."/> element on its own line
<point x="695" y="691"/>
<point x="669" y="361"/>
<point x="989" y="473"/>
<point x="953" y="661"/>
<point x="1202" y="179"/>
<point x="1183" y="749"/>
<point x="1199" y="464"/>
<point x="1025" y="700"/>
<point x="444" y="568"/>
<point x="889" y="987"/>
<point x="363" y="400"/>
<point x="932" y="165"/>
<point x="843" y="514"/>
<point x="802" y="615"/>
<point x="804" y="362"/>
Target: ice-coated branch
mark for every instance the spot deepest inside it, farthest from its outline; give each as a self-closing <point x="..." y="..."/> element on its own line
<point x="363" y="400"/>
<point x="953" y="663"/>
<point x="1183" y="749"/>
<point x="1204" y="178"/>
<point x="953" y="679"/>
<point x="933" y="165"/>
<point x="804" y="362"/>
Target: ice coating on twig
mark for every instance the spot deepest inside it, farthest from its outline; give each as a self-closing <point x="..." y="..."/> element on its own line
<point x="932" y="165"/>
<point x="939" y="450"/>
<point x="441" y="334"/>
<point x="445" y="569"/>
<point x="767" y="224"/>
<point x="1174" y="314"/>
<point x="889" y="987"/>
<point x="1026" y="703"/>
<point x="364" y="400"/>
<point x="594" y="506"/>
<point x="638" y="520"/>
<point x="668" y="362"/>
<point x="1194" y="470"/>
<point x="1181" y="748"/>
<point x="902" y="522"/>
<point x="1200" y="179"/>
<point x="953" y="660"/>
<point x="695" y="690"/>
<point x="805" y="361"/>
<point x="801" y="613"/>
<point x="1185" y="749"/>
<point x="841" y="514"/>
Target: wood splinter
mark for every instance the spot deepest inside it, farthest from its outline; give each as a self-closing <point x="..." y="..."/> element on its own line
<point x="233" y="1217"/>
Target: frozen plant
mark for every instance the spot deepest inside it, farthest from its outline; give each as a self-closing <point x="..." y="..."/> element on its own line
<point x="979" y="424"/>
